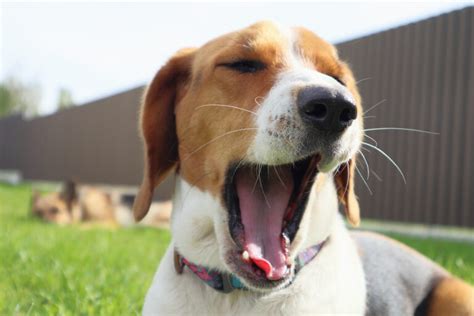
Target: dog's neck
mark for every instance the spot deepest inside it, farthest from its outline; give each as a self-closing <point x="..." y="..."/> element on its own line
<point x="200" y="230"/>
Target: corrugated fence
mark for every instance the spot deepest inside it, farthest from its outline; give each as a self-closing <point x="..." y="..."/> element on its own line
<point x="93" y="143"/>
<point x="420" y="76"/>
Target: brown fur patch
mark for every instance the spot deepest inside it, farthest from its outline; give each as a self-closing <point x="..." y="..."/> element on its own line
<point x="451" y="297"/>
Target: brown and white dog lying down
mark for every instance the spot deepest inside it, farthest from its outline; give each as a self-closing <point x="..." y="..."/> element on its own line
<point x="90" y="204"/>
<point x="262" y="127"/>
<point x="71" y="205"/>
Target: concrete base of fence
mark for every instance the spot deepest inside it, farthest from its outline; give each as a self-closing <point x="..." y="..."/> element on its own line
<point x="420" y="230"/>
<point x="10" y="176"/>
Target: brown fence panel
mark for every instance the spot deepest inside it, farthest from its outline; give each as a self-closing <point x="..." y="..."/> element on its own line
<point x="425" y="72"/>
<point x="96" y="142"/>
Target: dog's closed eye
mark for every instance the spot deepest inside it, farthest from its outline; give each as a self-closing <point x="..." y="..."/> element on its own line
<point x="244" y="65"/>
<point x="339" y="80"/>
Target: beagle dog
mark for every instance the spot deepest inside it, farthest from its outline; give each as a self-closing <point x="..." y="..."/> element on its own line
<point x="262" y="127"/>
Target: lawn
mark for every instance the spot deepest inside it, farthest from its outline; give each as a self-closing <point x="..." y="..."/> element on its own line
<point x="46" y="269"/>
<point x="50" y="270"/>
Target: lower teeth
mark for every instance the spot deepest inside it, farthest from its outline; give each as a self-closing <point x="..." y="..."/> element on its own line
<point x="245" y="255"/>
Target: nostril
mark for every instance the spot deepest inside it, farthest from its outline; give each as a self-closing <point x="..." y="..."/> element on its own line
<point x="347" y="115"/>
<point x="316" y="110"/>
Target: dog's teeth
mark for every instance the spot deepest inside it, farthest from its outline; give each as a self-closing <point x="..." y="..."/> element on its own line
<point x="245" y="255"/>
<point x="286" y="239"/>
<point x="289" y="261"/>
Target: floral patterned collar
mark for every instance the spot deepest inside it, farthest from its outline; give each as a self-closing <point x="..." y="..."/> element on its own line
<point x="226" y="282"/>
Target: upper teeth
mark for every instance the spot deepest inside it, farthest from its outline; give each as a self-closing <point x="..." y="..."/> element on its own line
<point x="245" y="255"/>
<point x="286" y="239"/>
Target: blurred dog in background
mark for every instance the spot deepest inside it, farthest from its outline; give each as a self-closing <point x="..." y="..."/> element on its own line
<point x="90" y="204"/>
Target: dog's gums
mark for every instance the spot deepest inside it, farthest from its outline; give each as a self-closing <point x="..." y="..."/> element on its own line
<point x="265" y="206"/>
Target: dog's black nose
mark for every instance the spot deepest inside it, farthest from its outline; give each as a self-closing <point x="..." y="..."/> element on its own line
<point x="326" y="109"/>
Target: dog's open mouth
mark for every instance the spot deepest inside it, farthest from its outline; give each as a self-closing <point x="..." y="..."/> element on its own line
<point x="266" y="205"/>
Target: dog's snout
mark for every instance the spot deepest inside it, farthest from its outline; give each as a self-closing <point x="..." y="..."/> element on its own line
<point x="326" y="109"/>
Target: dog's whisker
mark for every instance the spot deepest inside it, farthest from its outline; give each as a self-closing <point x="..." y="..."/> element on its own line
<point x="347" y="178"/>
<point x="237" y="168"/>
<point x="366" y="163"/>
<point x="225" y="106"/>
<point x="371" y="138"/>
<point x="219" y="137"/>
<point x="374" y="106"/>
<point x="257" y="166"/>
<point x="257" y="100"/>
<point x="400" y="129"/>
<point x="363" y="180"/>
<point x="369" y="117"/>
<point x="278" y="175"/>
<point x="389" y="159"/>
<point x="258" y="180"/>
<point x="189" y="128"/>
<point x="261" y="187"/>
<point x="376" y="175"/>
<point x="363" y="79"/>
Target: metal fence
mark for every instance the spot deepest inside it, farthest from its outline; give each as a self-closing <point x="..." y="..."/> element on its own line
<point x="425" y="73"/>
<point x="422" y="74"/>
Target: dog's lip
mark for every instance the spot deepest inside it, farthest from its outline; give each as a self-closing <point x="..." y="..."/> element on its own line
<point x="252" y="269"/>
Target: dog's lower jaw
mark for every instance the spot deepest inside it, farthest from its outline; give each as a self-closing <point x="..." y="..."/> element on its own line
<point x="198" y="223"/>
<point x="333" y="283"/>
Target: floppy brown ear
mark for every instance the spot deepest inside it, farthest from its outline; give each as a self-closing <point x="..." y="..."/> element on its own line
<point x="158" y="127"/>
<point x="344" y="179"/>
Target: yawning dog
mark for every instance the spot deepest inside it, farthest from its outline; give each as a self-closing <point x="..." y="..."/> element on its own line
<point x="262" y="127"/>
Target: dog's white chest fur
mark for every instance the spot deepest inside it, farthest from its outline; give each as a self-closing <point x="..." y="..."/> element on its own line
<point x="333" y="283"/>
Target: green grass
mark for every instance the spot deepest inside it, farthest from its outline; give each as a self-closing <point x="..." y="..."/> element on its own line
<point x="456" y="257"/>
<point x="50" y="270"/>
<point x="47" y="269"/>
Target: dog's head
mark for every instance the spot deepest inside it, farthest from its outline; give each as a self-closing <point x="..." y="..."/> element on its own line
<point x="249" y="119"/>
<point x="55" y="207"/>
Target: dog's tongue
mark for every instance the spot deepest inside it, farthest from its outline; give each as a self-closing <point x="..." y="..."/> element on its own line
<point x="262" y="206"/>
